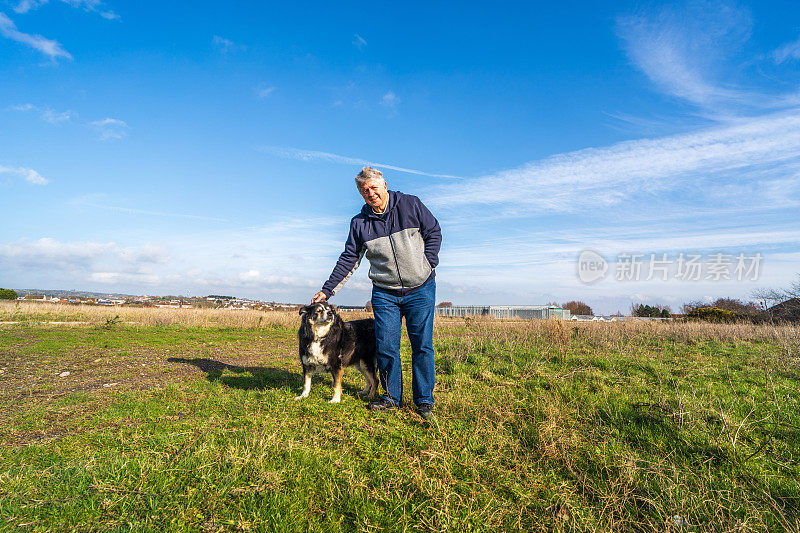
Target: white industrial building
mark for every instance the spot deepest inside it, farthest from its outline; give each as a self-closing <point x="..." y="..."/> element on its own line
<point x="506" y="311"/>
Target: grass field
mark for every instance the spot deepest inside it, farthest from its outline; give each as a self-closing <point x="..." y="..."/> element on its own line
<point x="185" y="420"/>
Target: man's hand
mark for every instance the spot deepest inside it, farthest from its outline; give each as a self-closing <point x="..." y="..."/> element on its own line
<point x="319" y="297"/>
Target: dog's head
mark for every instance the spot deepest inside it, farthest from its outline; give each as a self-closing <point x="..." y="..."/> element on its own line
<point x="320" y="313"/>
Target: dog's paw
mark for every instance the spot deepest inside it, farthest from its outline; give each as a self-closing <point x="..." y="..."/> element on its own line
<point x="300" y="397"/>
<point x="334" y="400"/>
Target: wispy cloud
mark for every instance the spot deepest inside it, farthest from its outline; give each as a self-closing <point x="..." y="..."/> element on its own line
<point x="21" y="107"/>
<point x="48" y="47"/>
<point x="312" y="155"/>
<point x="359" y="42"/>
<point x="28" y="174"/>
<point x="110" y="128"/>
<point x="679" y="47"/>
<point x="87" y="5"/>
<point x="690" y="51"/>
<point x="390" y="101"/>
<point x="226" y="45"/>
<point x="27" y="5"/>
<point x="263" y="90"/>
<point x="786" y="52"/>
<point x="47" y="114"/>
<point x="54" y="117"/>
<point x="754" y="150"/>
<point x="130" y="210"/>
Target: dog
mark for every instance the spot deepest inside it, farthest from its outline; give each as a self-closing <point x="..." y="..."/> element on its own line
<point x="328" y="343"/>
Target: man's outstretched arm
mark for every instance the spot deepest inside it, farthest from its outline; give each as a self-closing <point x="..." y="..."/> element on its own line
<point x="345" y="267"/>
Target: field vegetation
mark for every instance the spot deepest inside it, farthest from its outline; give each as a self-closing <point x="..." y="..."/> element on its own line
<point x="120" y="419"/>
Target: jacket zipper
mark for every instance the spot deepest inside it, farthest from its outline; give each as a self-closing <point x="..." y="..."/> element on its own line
<point x="391" y="243"/>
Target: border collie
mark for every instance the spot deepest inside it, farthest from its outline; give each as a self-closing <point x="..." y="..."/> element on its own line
<point x="328" y="343"/>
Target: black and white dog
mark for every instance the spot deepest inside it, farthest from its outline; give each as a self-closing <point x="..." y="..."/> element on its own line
<point x="328" y="343"/>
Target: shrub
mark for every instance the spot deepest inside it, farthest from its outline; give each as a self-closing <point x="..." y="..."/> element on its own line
<point x="8" y="294"/>
<point x="713" y="314"/>
<point x="655" y="311"/>
<point x="578" y="308"/>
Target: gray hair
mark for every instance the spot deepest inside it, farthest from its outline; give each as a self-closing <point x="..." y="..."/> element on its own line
<point x="366" y="174"/>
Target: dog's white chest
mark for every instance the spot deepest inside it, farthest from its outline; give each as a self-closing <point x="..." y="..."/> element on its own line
<point x="315" y="355"/>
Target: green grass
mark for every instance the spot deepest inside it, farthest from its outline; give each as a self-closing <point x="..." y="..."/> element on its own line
<point x="539" y="427"/>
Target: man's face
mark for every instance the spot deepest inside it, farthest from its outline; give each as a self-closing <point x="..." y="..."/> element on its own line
<point x="374" y="192"/>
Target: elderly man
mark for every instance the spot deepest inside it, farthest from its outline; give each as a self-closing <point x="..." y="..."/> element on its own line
<point x="401" y="240"/>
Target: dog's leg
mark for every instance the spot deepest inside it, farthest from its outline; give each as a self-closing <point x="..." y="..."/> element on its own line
<point x="373" y="380"/>
<point x="370" y="381"/>
<point x="306" y="385"/>
<point x="337" y="374"/>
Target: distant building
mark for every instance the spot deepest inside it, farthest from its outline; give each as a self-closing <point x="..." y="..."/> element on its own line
<point x="596" y="318"/>
<point x="505" y="311"/>
<point x="35" y="297"/>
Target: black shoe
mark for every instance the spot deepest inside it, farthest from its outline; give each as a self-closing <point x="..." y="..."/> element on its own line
<point x="384" y="404"/>
<point x="425" y="410"/>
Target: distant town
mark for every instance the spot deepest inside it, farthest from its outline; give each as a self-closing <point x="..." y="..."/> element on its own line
<point x="215" y="301"/>
<point x="212" y="301"/>
<point x="722" y="309"/>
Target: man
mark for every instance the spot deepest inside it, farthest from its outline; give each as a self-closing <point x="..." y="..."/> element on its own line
<point x="401" y="239"/>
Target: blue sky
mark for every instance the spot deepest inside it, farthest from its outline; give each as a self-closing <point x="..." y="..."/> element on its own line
<point x="196" y="148"/>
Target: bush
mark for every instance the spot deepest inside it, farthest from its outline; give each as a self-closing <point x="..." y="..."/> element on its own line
<point x="655" y="311"/>
<point x="8" y="294"/>
<point x="746" y="309"/>
<point x="713" y="314"/>
<point x="578" y="308"/>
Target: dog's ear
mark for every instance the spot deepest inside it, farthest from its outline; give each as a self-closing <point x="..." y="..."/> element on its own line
<point x="334" y="308"/>
<point x="304" y="310"/>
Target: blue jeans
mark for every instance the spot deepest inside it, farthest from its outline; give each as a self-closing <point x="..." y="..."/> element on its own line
<point x="417" y="308"/>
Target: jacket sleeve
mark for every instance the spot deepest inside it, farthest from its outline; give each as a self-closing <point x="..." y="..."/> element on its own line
<point x="431" y="233"/>
<point x="347" y="264"/>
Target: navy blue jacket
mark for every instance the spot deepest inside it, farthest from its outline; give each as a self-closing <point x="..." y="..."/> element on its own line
<point x="402" y="246"/>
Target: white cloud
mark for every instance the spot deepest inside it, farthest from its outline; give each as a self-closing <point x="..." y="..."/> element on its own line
<point x="390" y="100"/>
<point x="124" y="277"/>
<point x="28" y="174"/>
<point x="27" y="5"/>
<point x="313" y="155"/>
<point x="250" y="275"/>
<point x="677" y="57"/>
<point x="262" y="91"/>
<point x="110" y="128"/>
<point x="226" y="45"/>
<point x="47" y="253"/>
<point x="786" y="52"/>
<point x="121" y="209"/>
<point x="754" y="150"/>
<point x="48" y="47"/>
<point x="54" y="117"/>
<point x="87" y="5"/>
<point x="47" y="114"/>
<point x="688" y="50"/>
<point x="359" y="42"/>
<point x="263" y="261"/>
